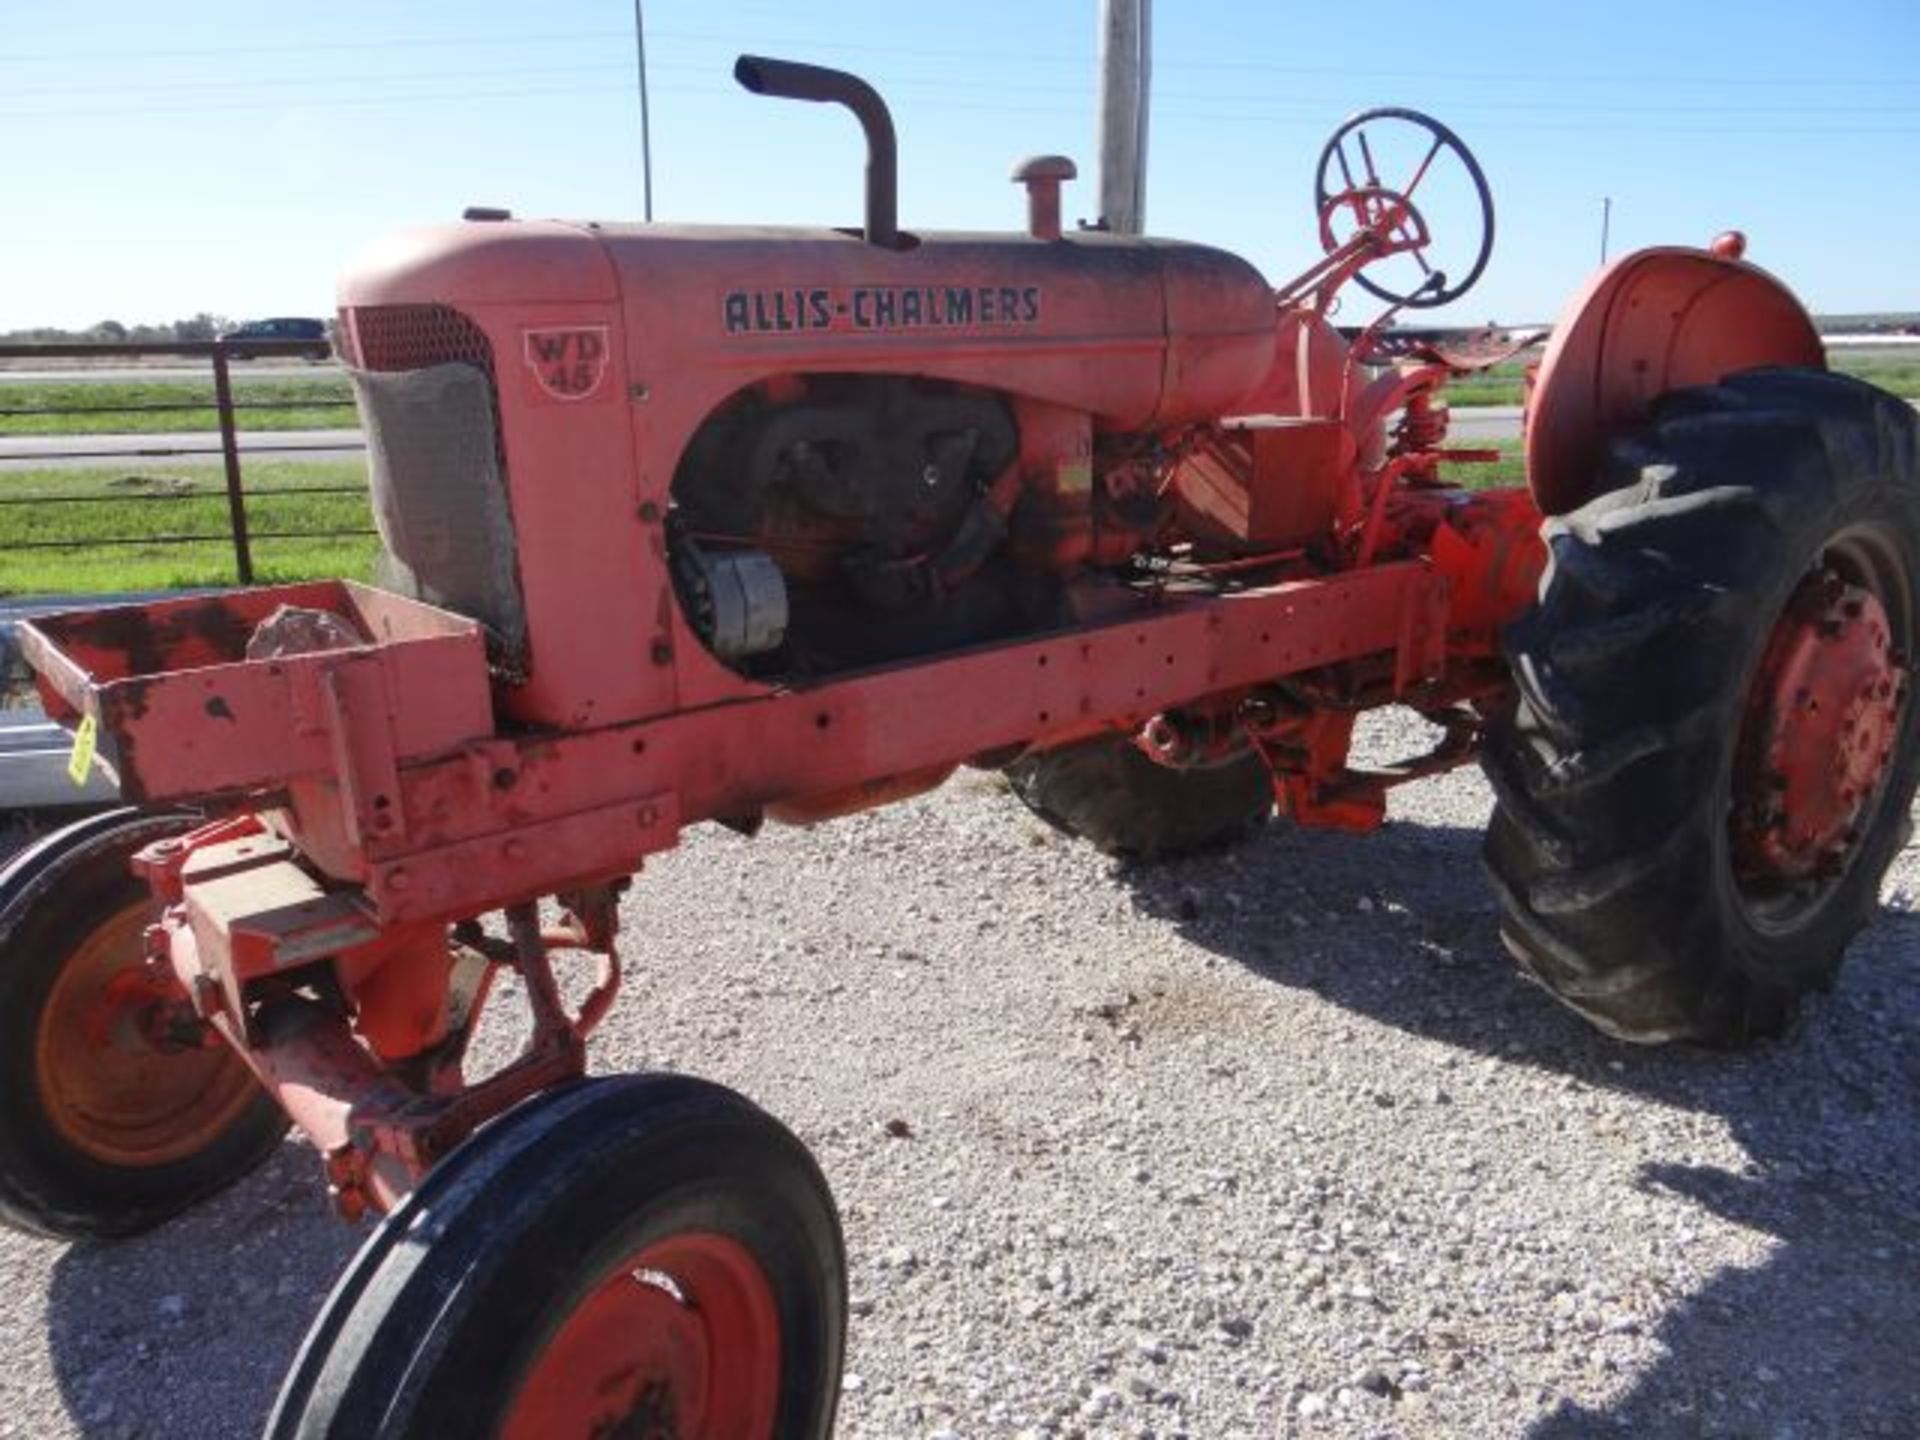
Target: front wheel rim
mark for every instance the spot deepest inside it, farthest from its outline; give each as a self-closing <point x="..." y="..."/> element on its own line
<point x="680" y="1340"/>
<point x="115" y="1097"/>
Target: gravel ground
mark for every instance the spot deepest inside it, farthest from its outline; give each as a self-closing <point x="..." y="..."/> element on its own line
<point x="1268" y="1143"/>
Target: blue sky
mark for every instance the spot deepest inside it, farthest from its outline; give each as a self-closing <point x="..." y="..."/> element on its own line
<point x="230" y="155"/>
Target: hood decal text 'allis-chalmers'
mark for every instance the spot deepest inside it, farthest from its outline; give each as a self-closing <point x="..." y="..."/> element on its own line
<point x="857" y="308"/>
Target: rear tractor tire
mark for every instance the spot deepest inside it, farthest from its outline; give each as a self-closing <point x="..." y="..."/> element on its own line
<point x="1106" y="792"/>
<point x="643" y="1255"/>
<point x="101" y="1134"/>
<point x="1711" y="761"/>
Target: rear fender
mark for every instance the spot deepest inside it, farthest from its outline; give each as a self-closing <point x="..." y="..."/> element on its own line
<point x="1652" y="321"/>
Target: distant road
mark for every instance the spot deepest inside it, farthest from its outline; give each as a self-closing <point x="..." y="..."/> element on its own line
<point x="1483" y="422"/>
<point x="23" y="452"/>
<point x="1487" y="424"/>
<point x="202" y="447"/>
<point x="124" y="374"/>
<point x="19" y="452"/>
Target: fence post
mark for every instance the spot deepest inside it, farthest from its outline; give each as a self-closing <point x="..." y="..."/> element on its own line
<point x="230" y="452"/>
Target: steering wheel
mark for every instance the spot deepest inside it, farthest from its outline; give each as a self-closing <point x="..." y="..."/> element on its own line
<point x="1368" y="203"/>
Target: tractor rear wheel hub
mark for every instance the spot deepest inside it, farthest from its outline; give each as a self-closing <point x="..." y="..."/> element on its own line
<point x="1821" y="722"/>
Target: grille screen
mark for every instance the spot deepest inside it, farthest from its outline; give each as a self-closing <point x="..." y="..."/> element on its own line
<point x="424" y="378"/>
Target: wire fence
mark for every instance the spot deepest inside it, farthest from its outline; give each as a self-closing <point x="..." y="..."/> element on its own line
<point x="69" y="519"/>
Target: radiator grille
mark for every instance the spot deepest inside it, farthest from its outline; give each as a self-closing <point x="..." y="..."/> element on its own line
<point x="412" y="337"/>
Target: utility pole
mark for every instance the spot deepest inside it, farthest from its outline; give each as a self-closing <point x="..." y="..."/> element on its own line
<point x="1606" y="223"/>
<point x="646" y="139"/>
<point x="1126" y="66"/>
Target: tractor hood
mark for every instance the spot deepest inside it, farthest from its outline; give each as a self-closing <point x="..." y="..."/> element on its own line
<point x="1137" y="332"/>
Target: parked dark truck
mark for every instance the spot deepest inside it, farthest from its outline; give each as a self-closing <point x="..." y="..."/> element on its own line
<point x="693" y="524"/>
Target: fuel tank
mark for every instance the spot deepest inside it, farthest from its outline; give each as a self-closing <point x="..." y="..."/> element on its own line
<point x="1137" y="332"/>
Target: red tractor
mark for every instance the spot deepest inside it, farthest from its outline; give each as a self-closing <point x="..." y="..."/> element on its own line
<point x="689" y="524"/>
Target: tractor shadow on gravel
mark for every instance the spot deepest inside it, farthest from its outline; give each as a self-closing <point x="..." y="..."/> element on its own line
<point x="1817" y="1341"/>
<point x="188" y="1330"/>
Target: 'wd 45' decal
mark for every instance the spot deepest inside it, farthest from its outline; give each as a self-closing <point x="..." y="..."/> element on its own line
<point x="568" y="362"/>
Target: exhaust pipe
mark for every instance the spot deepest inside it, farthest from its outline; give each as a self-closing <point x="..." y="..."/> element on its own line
<point x="792" y="81"/>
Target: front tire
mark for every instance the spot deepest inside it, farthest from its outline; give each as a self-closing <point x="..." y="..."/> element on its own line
<point x="1711" y="761"/>
<point x="634" y="1255"/>
<point x="101" y="1134"/>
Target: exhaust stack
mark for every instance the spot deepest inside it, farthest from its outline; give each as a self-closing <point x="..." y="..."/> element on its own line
<point x="793" y="81"/>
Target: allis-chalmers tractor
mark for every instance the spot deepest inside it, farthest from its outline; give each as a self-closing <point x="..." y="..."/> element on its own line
<point x="731" y="525"/>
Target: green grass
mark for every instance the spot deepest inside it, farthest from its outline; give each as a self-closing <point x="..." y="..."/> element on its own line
<point x="195" y="503"/>
<point x="82" y="408"/>
<point x="1504" y="384"/>
<point x="1501" y="385"/>
<point x="200" y="504"/>
<point x="67" y="407"/>
<point x="1897" y="374"/>
<point x="1509" y="469"/>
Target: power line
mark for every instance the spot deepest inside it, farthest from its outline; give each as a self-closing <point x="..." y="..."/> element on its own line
<point x="323" y="81"/>
<point x="331" y="103"/>
<point x="1309" y="103"/>
<point x="91" y="56"/>
<point x="1564" y="121"/>
<point x="1692" y="79"/>
<point x="275" y="91"/>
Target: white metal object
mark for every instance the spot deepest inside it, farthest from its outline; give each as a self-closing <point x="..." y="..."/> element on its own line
<point x="1125" y="74"/>
<point x="33" y="766"/>
<point x="33" y="750"/>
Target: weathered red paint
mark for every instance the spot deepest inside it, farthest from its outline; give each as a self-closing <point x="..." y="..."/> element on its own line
<point x="1653" y="321"/>
<point x="183" y="714"/>
<point x="383" y="795"/>
<point x="1822" y="718"/>
<point x="682" y="1337"/>
<point x="1133" y="334"/>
